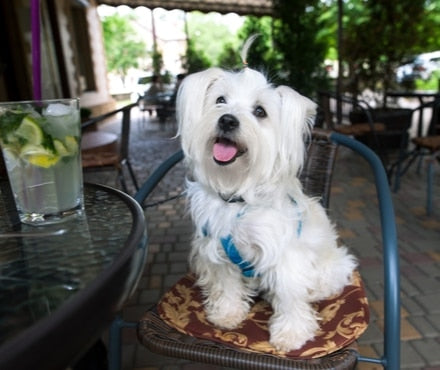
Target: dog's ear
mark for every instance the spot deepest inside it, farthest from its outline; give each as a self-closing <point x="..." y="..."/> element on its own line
<point x="191" y="99"/>
<point x="297" y="117"/>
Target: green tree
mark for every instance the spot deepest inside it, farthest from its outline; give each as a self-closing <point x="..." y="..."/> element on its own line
<point x="211" y="42"/>
<point x="288" y="47"/>
<point x="195" y="60"/>
<point x="379" y="35"/>
<point x="122" y="45"/>
<point x="262" y="55"/>
<point x="303" y="53"/>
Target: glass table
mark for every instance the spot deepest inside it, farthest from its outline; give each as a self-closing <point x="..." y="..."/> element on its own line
<point x="61" y="285"/>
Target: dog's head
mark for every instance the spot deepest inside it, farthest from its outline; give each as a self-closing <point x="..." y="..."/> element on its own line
<point x="240" y="133"/>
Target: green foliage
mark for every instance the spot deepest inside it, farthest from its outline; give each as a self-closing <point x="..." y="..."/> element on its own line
<point x="289" y="46"/>
<point x="378" y="35"/>
<point x="262" y="55"/>
<point x="209" y="35"/>
<point x="229" y="58"/>
<point x="295" y="35"/>
<point x="433" y="84"/>
<point x="157" y="62"/>
<point x="122" y="46"/>
<point x="195" y="60"/>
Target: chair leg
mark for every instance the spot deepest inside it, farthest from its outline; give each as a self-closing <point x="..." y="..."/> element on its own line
<point x="115" y="343"/>
<point x="132" y="175"/>
<point x="429" y="186"/>
<point x="122" y="180"/>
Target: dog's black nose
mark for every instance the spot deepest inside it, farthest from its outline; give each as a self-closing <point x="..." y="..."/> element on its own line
<point x="228" y="122"/>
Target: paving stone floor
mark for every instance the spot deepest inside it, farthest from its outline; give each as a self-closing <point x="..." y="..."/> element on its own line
<point x="353" y="207"/>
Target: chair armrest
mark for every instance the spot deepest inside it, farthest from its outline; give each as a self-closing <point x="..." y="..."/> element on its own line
<point x="157" y="175"/>
<point x="390" y="249"/>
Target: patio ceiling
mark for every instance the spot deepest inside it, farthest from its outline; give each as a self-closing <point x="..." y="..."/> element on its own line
<point x="242" y="7"/>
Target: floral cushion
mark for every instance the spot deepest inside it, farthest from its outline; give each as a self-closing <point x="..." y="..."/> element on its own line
<point x="344" y="318"/>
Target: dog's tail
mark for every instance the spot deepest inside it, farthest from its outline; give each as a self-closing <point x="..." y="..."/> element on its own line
<point x="246" y="46"/>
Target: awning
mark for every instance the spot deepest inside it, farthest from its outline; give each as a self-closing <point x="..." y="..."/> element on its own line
<point x="242" y="7"/>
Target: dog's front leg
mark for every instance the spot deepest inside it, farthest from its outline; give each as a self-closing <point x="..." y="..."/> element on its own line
<point x="294" y="321"/>
<point x="227" y="299"/>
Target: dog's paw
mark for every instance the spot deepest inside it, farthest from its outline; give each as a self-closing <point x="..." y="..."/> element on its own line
<point x="227" y="317"/>
<point x="290" y="335"/>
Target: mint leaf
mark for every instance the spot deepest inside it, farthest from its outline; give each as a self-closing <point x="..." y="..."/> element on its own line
<point x="9" y="122"/>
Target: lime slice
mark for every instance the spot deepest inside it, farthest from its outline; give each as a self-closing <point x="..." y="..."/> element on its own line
<point x="60" y="148"/>
<point x="39" y="156"/>
<point x="71" y="144"/>
<point x="30" y="131"/>
<point x="68" y="148"/>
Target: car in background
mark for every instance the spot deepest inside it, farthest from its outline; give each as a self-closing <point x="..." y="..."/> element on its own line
<point x="143" y="83"/>
<point x="419" y="67"/>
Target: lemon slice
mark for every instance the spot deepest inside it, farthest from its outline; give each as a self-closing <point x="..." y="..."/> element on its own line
<point x="30" y="131"/>
<point x="39" y="156"/>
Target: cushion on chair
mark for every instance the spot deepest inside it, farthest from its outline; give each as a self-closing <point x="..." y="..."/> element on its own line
<point x="344" y="318"/>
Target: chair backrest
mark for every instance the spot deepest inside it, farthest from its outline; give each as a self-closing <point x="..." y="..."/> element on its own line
<point x="337" y="109"/>
<point x="316" y="175"/>
<point x="434" y="121"/>
<point x="125" y="127"/>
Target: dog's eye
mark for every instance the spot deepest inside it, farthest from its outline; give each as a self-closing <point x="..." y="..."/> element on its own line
<point x="259" y="112"/>
<point x="220" y="100"/>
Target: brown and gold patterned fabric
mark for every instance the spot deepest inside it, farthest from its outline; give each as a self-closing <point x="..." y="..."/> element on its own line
<point x="343" y="319"/>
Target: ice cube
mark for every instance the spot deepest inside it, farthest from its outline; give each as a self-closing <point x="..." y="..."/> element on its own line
<point x="57" y="109"/>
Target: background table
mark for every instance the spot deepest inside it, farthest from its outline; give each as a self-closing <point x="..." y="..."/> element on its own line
<point x="59" y="292"/>
<point x="421" y="96"/>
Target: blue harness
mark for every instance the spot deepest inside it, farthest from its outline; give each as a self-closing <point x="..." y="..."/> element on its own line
<point x="234" y="255"/>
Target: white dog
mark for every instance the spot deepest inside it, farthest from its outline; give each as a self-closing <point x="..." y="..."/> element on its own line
<point x="256" y="231"/>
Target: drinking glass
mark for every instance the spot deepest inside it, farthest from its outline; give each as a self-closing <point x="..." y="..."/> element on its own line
<point x="40" y="141"/>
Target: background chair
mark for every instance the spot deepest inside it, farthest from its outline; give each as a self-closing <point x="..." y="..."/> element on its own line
<point x="106" y="151"/>
<point x="385" y="130"/>
<point x="425" y="145"/>
<point x="337" y="110"/>
<point x="316" y="177"/>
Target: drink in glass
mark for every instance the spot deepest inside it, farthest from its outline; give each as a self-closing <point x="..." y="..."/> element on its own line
<point x="40" y="141"/>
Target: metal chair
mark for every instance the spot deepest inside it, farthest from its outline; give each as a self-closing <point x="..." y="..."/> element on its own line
<point x="425" y="146"/>
<point x="110" y="155"/>
<point x="384" y="130"/>
<point x="316" y="178"/>
<point x="337" y="115"/>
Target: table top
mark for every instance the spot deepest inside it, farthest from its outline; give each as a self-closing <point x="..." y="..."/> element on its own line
<point x="98" y="139"/>
<point x="61" y="285"/>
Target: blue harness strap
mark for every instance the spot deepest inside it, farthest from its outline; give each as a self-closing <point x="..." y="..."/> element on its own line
<point x="234" y="255"/>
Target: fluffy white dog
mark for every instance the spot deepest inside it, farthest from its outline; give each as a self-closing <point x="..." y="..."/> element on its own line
<point x="256" y="231"/>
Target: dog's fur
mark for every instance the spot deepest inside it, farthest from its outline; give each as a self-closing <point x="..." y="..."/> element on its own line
<point x="254" y="196"/>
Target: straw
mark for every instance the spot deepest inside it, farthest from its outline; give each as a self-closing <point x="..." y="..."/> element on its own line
<point x="36" y="48"/>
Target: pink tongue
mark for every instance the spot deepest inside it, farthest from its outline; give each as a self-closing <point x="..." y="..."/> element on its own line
<point x="224" y="151"/>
